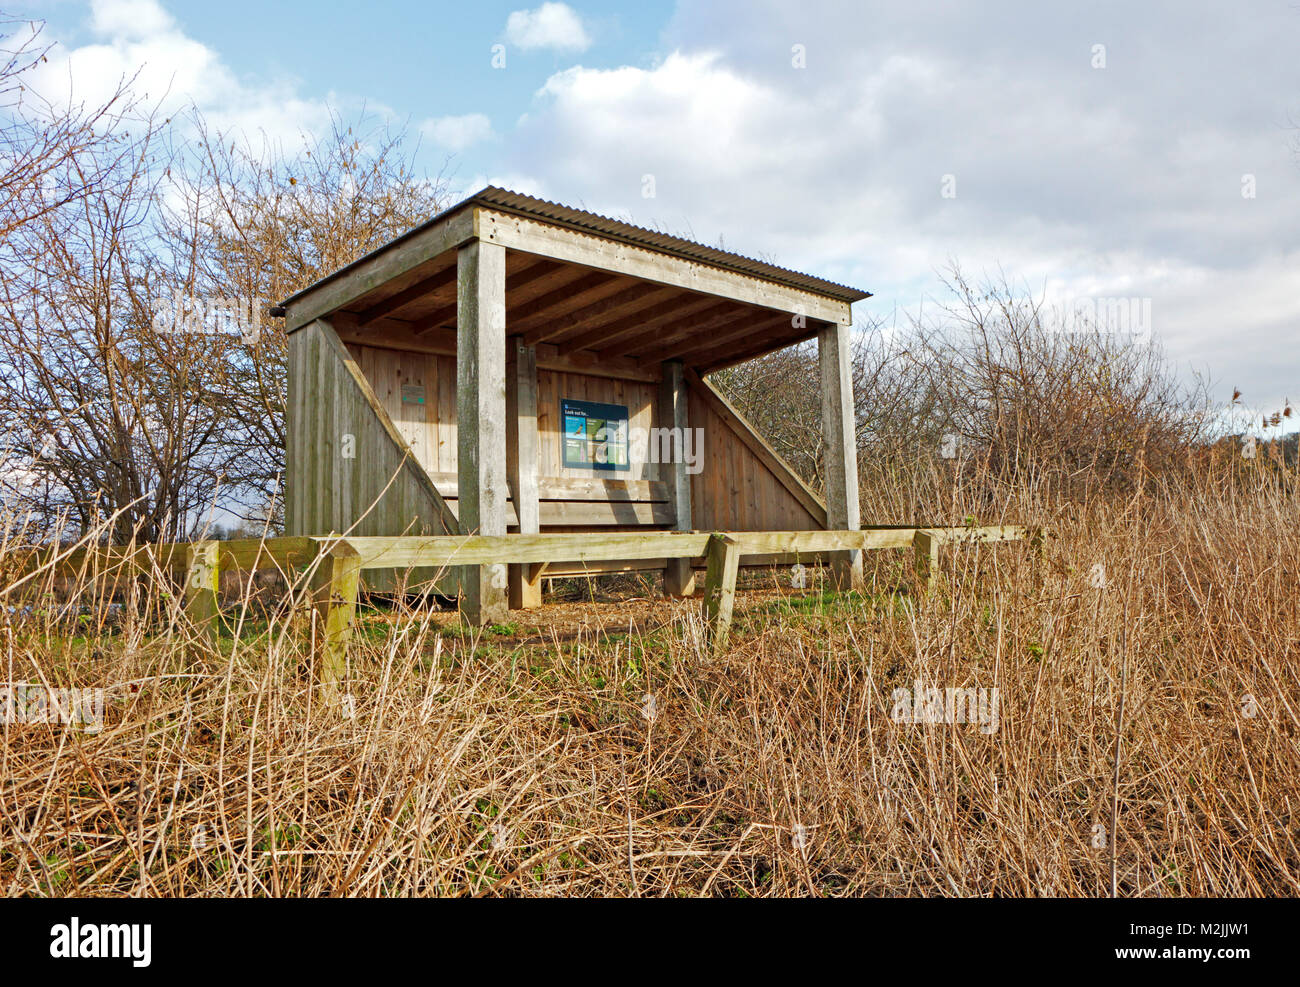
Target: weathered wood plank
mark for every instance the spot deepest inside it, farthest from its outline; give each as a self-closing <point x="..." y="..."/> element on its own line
<point x="556" y="513"/>
<point x="592" y="365"/>
<point x="593" y="513"/>
<point x="626" y="323"/>
<point x="480" y="549"/>
<point x="443" y="343"/>
<point x="730" y="338"/>
<point x="723" y="554"/>
<point x="757" y="445"/>
<point x="354" y="471"/>
<point x="481" y="420"/>
<point x="679" y="578"/>
<point x="926" y="547"/>
<point x="804" y="542"/>
<point x="587" y="284"/>
<point x="679" y="329"/>
<point x="594" y="549"/>
<point x="357" y="411"/>
<point x="551" y="328"/>
<point x="600" y="546"/>
<point x="573" y="488"/>
<point x="420" y="289"/>
<point x="839" y="433"/>
<point x="202" y="581"/>
<point x="521" y="464"/>
<point x="295" y="479"/>
<point x="378" y="268"/>
<point x="530" y="236"/>
<point x="750" y="324"/>
<point x="265" y="553"/>
<point x="335" y="586"/>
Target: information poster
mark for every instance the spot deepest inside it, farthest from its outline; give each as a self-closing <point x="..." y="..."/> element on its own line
<point x="595" y="435"/>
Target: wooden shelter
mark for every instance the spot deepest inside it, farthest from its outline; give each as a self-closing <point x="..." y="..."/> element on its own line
<point x="438" y="386"/>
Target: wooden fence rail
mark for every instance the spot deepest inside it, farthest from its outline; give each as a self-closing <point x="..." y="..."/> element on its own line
<point x="333" y="564"/>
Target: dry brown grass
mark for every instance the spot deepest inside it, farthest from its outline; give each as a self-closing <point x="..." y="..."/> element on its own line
<point x="522" y="761"/>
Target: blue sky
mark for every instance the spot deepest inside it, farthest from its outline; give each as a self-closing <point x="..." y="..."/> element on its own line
<point x="1086" y="149"/>
<point x="419" y="61"/>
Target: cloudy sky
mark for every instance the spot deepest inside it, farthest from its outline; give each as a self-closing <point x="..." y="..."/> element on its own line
<point x="1092" y="149"/>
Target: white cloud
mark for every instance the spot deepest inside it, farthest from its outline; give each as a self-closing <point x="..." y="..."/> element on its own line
<point x="139" y="39"/>
<point x="732" y="156"/>
<point x="552" y="25"/>
<point x="130" y="18"/>
<point x="1122" y="181"/>
<point x="455" y="133"/>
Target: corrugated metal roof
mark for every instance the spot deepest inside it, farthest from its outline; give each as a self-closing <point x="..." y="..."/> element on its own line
<point x="504" y="200"/>
<point x="589" y="222"/>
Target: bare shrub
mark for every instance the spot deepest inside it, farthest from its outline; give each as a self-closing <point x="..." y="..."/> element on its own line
<point x="52" y="153"/>
<point x="984" y="405"/>
<point x="257" y="223"/>
<point x="140" y="377"/>
<point x="1072" y="410"/>
<point x="628" y="760"/>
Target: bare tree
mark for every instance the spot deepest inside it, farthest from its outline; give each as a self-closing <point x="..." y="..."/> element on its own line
<point x="45" y="159"/>
<point x="255" y="224"/>
<point x="118" y="411"/>
<point x="139" y="375"/>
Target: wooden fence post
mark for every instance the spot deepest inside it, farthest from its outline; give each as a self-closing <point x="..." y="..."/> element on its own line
<point x="723" y="558"/>
<point x="1037" y="538"/>
<point x="202" y="581"/>
<point x="334" y="594"/>
<point x="925" y="545"/>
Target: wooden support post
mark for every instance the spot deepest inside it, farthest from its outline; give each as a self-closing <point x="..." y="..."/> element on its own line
<point x="481" y="419"/>
<point x="723" y="556"/>
<point x="335" y="585"/>
<point x="925" y="546"/>
<point x="1037" y="538"/>
<point x="679" y="578"/>
<point x="840" y="437"/>
<point x="202" y="581"/>
<point x="521" y="464"/>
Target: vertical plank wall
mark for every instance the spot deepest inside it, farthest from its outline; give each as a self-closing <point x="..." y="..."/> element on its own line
<point x="379" y="490"/>
<point x="571" y="499"/>
<point x="735" y="491"/>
